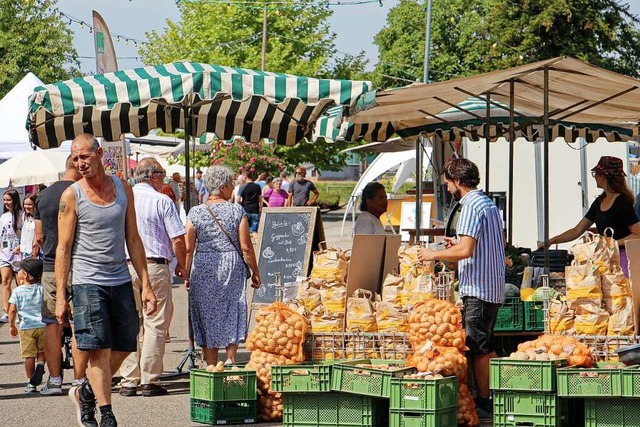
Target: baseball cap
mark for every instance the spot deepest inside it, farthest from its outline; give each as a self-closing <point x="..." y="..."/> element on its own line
<point x="32" y="266"/>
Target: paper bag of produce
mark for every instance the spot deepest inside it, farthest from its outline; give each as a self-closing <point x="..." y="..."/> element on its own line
<point x="361" y="316"/>
<point x="309" y="294"/>
<point x="621" y="321"/>
<point x="323" y="320"/>
<point x="591" y="319"/>
<point x="389" y="318"/>
<point x="601" y="250"/>
<point x="583" y="282"/>
<point x="561" y="318"/>
<point x="392" y="289"/>
<point x="331" y="264"/>
<point x="334" y="296"/>
<point x="418" y="288"/>
<point x="408" y="258"/>
<point x="615" y="289"/>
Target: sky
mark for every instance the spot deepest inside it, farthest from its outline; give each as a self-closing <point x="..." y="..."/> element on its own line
<point x="355" y="26"/>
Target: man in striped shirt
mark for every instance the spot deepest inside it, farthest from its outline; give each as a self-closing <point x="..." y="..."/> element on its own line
<point x="479" y="250"/>
<point x="163" y="235"/>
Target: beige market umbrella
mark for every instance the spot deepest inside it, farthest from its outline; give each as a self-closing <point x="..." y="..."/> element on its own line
<point x="33" y="167"/>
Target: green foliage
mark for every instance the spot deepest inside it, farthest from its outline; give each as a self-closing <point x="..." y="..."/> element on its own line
<point x="299" y="40"/>
<point x="475" y="36"/>
<point x="196" y="159"/>
<point x="323" y="155"/>
<point x="34" y="38"/>
<point x="334" y="194"/>
<point x="248" y="157"/>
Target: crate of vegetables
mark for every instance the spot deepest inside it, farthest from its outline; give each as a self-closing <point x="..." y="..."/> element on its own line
<point x="511" y="373"/>
<point x="303" y="377"/>
<point x="369" y="377"/>
<point x="424" y="391"/>
<point x="219" y="384"/>
<point x="605" y="380"/>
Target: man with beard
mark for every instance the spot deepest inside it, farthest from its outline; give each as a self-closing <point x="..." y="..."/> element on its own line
<point x="301" y="188"/>
<point x="479" y="250"/>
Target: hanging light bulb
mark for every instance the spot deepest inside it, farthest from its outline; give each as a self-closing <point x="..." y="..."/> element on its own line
<point x="118" y="38"/>
<point x="82" y="25"/>
<point x="126" y="41"/>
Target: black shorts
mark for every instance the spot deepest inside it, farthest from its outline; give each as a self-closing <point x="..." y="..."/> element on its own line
<point x="479" y="317"/>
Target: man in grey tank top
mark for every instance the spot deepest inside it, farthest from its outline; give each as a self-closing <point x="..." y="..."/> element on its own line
<point x="96" y="219"/>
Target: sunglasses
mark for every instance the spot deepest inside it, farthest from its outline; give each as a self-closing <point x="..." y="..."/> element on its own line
<point x="162" y="172"/>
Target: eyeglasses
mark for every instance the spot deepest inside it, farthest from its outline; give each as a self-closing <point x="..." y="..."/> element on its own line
<point x="161" y="171"/>
<point x="593" y="173"/>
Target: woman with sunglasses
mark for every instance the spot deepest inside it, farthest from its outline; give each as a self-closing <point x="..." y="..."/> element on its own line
<point x="611" y="209"/>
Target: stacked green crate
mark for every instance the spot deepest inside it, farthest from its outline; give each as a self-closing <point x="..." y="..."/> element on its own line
<point x="227" y="397"/>
<point x="418" y="402"/>
<point x="524" y="393"/>
<point x="533" y="316"/>
<point x="366" y="378"/>
<point x="509" y="317"/>
<point x="614" y="412"/>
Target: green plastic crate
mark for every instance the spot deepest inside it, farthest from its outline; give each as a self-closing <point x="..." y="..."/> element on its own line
<point x="333" y="410"/>
<point x="436" y="418"/>
<point x="422" y="394"/>
<point x="590" y="382"/>
<point x="524" y="375"/>
<point x="533" y="316"/>
<point x="223" y="386"/>
<point x="230" y="412"/>
<point x="304" y="377"/>
<point x="349" y="378"/>
<point x="611" y="413"/>
<point x="514" y="408"/>
<point x="509" y="317"/>
<point x="631" y="381"/>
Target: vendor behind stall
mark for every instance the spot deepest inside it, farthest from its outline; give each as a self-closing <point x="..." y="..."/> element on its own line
<point x="611" y="209"/>
<point x="372" y="205"/>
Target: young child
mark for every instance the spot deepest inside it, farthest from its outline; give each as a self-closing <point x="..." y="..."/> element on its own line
<point x="26" y="302"/>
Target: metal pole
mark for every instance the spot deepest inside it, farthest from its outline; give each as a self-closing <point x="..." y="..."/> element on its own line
<point x="487" y="149"/>
<point x="512" y="137"/>
<point x="427" y="45"/>
<point x="187" y="178"/>
<point x="545" y="119"/>
<point x="264" y="39"/>
<point x="419" y="189"/>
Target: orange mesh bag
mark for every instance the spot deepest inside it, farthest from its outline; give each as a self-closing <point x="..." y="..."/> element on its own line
<point x="467" y="414"/>
<point x="446" y="361"/>
<point x="437" y="321"/>
<point x="279" y="330"/>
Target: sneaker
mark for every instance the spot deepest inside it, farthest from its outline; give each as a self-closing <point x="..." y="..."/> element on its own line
<point x="30" y="388"/>
<point x="108" y="420"/>
<point x="483" y="413"/>
<point x="77" y="383"/>
<point x="4" y="318"/>
<point x="51" y="389"/>
<point x="85" y="409"/>
<point x="36" y="379"/>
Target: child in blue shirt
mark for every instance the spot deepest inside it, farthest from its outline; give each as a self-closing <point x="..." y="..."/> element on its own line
<point x="26" y="302"/>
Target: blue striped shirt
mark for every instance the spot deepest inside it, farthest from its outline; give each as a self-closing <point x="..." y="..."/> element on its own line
<point x="482" y="275"/>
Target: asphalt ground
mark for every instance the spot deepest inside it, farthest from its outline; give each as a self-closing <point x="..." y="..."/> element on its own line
<point x="18" y="409"/>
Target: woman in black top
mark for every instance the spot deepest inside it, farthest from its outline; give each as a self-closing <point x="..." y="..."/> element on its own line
<point x="613" y="208"/>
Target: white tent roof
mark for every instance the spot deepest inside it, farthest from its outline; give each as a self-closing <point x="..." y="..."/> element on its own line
<point x="14" y="108"/>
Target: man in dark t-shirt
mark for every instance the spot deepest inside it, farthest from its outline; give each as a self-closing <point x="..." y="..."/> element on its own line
<point x="301" y="189"/>
<point x="250" y="197"/>
<point x="46" y="218"/>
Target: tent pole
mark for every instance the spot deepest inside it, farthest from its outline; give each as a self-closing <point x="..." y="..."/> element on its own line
<point x="487" y="149"/>
<point x="546" y="168"/>
<point x="418" y="187"/>
<point x="187" y="178"/>
<point x="512" y="137"/>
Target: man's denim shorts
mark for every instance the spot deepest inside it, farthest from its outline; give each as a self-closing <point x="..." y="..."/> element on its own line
<point x="105" y="317"/>
<point x="479" y="317"/>
<point x="254" y="219"/>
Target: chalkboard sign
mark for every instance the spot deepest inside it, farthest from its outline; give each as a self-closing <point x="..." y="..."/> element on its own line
<point x="287" y="238"/>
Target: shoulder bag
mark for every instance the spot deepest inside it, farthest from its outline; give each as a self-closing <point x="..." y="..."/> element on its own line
<point x="215" y="218"/>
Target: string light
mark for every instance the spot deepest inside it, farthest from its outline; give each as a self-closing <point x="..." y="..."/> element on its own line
<point x="283" y="5"/>
<point x="84" y="24"/>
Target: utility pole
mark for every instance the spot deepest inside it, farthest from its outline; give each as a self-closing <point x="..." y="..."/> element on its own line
<point x="264" y="39"/>
<point x="427" y="45"/>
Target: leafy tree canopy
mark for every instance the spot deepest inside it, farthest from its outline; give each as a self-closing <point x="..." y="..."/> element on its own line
<point x="475" y="36"/>
<point x="33" y="38"/>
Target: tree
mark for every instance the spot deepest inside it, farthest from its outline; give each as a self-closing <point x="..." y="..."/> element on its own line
<point x="475" y="36"/>
<point x="33" y="37"/>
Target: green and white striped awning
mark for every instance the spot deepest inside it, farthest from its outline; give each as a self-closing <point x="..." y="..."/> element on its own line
<point x="226" y="101"/>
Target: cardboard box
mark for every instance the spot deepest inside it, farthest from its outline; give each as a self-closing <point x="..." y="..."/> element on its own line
<point x="633" y="254"/>
<point x="372" y="258"/>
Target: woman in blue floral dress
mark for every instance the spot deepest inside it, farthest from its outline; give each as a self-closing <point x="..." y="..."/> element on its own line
<point x="217" y="241"/>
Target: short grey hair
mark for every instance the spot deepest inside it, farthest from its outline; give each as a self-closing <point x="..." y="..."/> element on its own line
<point x="217" y="177"/>
<point x="144" y="169"/>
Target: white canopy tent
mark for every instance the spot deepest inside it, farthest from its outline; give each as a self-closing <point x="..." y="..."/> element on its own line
<point x="404" y="160"/>
<point x="14" y="109"/>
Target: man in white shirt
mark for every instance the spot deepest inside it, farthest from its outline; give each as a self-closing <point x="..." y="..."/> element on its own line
<point x="162" y="234"/>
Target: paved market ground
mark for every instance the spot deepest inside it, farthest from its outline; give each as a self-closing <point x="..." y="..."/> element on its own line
<point x="20" y="410"/>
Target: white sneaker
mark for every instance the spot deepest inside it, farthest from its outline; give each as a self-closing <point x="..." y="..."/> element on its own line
<point x="4" y="318"/>
<point x="51" y="389"/>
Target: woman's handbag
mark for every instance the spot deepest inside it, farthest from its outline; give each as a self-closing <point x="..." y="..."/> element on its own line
<point x="215" y="218"/>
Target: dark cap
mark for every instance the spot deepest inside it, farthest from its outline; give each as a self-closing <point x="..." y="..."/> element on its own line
<point x="198" y="171"/>
<point x="32" y="266"/>
<point x="609" y="166"/>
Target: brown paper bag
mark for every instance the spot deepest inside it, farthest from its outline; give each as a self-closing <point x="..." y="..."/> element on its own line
<point x="361" y="316"/>
<point x="389" y="318"/>
<point x="334" y="296"/>
<point x="583" y="282"/>
<point x="561" y="318"/>
<point x="615" y="289"/>
<point x="331" y="264"/>
<point x="601" y="250"/>
<point x="323" y="320"/>
<point x="621" y="321"/>
<point x="392" y="289"/>
<point x="408" y="259"/>
<point x="309" y="294"/>
<point x="418" y="288"/>
<point x="591" y="319"/>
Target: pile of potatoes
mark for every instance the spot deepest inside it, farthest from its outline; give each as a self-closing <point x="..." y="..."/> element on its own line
<point x="438" y="338"/>
<point x="554" y="347"/>
<point x="276" y="340"/>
